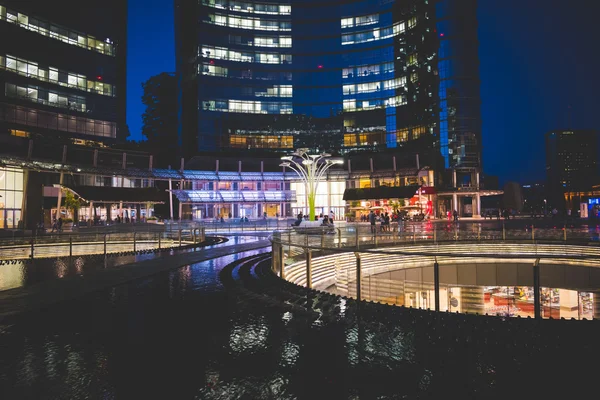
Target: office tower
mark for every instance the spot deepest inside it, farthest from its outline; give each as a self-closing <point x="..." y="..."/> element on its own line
<point x="63" y="69"/>
<point x="331" y="75"/>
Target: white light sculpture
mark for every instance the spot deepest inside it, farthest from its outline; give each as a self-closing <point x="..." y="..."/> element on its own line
<point x="311" y="168"/>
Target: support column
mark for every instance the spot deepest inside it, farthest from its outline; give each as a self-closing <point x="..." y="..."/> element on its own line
<point x="308" y="253"/>
<point x="358" y="276"/>
<point x="61" y="181"/>
<point x="455" y="204"/>
<point x="90" y="217"/>
<point x="477" y="210"/>
<point x="436" y="284"/>
<point x="24" y="211"/>
<point x="536" y="290"/>
<point x="121" y="211"/>
<point x="171" y="198"/>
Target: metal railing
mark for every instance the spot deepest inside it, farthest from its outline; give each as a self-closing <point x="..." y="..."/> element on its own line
<point x="96" y="242"/>
<point x="447" y="268"/>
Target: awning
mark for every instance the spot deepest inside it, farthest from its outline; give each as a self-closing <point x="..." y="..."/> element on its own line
<point x="381" y="192"/>
<point x="107" y="194"/>
<point x="230" y="196"/>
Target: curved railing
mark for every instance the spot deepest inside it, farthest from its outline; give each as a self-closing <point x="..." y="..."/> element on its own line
<point x="98" y="241"/>
<point x="392" y="266"/>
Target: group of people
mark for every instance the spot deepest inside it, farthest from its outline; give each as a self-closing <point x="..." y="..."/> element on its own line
<point x="385" y="220"/>
<point x="326" y="220"/>
<point x="57" y="225"/>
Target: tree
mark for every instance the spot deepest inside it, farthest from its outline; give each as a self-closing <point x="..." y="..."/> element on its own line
<point x="160" y="117"/>
<point x="72" y="203"/>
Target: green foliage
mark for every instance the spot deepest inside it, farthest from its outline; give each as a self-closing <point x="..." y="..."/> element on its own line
<point x="71" y="202"/>
<point x="160" y="117"/>
<point x="151" y="219"/>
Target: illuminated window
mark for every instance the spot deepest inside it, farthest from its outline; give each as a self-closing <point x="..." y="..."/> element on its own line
<point x="418" y="131"/>
<point x="402" y="135"/>
<point x="16" y="132"/>
<point x="261" y="141"/>
<point x="46" y="97"/>
<point x="223" y="53"/>
<point x="250" y="107"/>
<point x="53" y="75"/>
<point x="57" y="32"/>
<point x="413" y="59"/>
<point x="247" y="7"/>
<point x="249" y="23"/>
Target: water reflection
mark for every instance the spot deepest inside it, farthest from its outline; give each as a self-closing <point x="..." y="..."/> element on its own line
<point x="22" y="273"/>
<point x="179" y="334"/>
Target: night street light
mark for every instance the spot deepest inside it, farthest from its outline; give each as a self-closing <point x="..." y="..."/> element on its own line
<point x="311" y="168"/>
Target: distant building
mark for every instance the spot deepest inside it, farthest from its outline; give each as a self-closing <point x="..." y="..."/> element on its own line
<point x="63" y="71"/>
<point x="571" y="162"/>
<point x="535" y="198"/>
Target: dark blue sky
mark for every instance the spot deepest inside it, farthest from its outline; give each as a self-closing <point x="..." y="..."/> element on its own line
<point x="537" y="58"/>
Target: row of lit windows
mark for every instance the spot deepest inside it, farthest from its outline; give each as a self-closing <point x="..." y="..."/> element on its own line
<point x="215" y="70"/>
<point x="57" y="32"/>
<point x="358" y="105"/>
<point x="370" y="87"/>
<point x="60" y="122"/>
<point x="250" y="107"/>
<point x="253" y="8"/>
<point x="277" y="91"/>
<point x="46" y="97"/>
<point x="378" y="33"/>
<point x="272" y="41"/>
<point x="261" y="142"/>
<point x="249" y="23"/>
<point x="363" y="139"/>
<point x="223" y="53"/>
<point x="367" y="70"/>
<point x="261" y="41"/>
<point x="360" y="21"/>
<point x="54" y="75"/>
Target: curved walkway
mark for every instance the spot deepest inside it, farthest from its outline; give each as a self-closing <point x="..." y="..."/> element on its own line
<point x="41" y="295"/>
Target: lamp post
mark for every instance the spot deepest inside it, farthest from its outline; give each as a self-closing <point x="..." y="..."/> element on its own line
<point x="311" y="169"/>
<point x="545" y="210"/>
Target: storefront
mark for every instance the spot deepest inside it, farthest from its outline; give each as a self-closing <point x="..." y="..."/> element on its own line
<point x="11" y="197"/>
<point x="330" y="198"/>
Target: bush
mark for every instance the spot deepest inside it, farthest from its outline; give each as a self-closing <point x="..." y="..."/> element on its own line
<point x="151" y="219"/>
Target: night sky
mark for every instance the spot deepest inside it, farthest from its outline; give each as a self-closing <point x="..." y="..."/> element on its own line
<point x="538" y="58"/>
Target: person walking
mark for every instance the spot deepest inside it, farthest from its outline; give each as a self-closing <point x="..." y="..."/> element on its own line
<point x="372" y="221"/>
<point x="455" y="215"/>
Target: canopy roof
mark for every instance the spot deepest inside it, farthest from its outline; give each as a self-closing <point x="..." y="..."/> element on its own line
<point x="106" y="194"/>
<point x="381" y="192"/>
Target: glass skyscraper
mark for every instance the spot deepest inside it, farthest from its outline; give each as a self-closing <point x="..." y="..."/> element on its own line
<point x="328" y="75"/>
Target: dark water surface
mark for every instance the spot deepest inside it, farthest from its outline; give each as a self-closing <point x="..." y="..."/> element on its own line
<point x="182" y="335"/>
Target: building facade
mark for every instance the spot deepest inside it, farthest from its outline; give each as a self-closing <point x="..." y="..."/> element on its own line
<point x="63" y="71"/>
<point x="327" y="75"/>
<point x="571" y="162"/>
<point x="62" y="80"/>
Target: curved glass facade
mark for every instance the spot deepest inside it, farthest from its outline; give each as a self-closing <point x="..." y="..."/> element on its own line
<point x="339" y="75"/>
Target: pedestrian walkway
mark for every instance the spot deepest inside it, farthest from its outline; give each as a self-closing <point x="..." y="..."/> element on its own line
<point x="35" y="297"/>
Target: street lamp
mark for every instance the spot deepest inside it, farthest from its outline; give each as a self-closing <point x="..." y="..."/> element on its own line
<point x="311" y="169"/>
<point x="545" y="210"/>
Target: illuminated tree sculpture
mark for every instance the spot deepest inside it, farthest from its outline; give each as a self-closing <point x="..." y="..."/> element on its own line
<point x="311" y="168"/>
